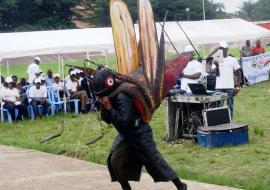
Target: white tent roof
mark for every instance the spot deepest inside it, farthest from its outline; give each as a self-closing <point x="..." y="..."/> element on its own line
<point x="214" y="31"/>
<point x="20" y="44"/>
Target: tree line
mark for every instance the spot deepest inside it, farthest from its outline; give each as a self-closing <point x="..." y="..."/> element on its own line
<point x="255" y="11"/>
<point x="33" y="15"/>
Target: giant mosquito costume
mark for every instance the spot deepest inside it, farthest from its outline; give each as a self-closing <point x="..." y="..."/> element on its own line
<point x="131" y="96"/>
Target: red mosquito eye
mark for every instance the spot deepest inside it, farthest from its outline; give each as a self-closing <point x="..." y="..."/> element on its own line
<point x="109" y="82"/>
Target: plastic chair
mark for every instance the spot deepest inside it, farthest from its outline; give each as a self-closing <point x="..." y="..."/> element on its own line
<point x="55" y="100"/>
<point x="75" y="101"/>
<point x="70" y="100"/>
<point x="27" y="87"/>
<point x="30" y="108"/>
<point x="5" y="112"/>
<point x="76" y="104"/>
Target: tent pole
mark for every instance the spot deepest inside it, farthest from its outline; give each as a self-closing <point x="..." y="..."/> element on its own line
<point x="59" y="63"/>
<point x="88" y="57"/>
<point x="204" y="54"/>
<point x="7" y="68"/>
<point x="63" y="76"/>
<point x="62" y="65"/>
<point x="107" y="57"/>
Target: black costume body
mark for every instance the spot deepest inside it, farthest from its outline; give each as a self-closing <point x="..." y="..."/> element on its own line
<point x="134" y="147"/>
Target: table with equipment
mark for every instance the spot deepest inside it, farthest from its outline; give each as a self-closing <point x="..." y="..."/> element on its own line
<point x="185" y="113"/>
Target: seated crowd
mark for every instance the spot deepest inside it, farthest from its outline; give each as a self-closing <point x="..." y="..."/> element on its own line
<point x="16" y="97"/>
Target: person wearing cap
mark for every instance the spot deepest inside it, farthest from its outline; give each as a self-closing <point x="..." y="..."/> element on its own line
<point x="38" y="96"/>
<point x="67" y="78"/>
<point x="57" y="84"/>
<point x="79" y="74"/>
<point x="11" y="100"/>
<point x="225" y="72"/>
<point x="32" y="68"/>
<point x="192" y="72"/>
<point x="38" y="73"/>
<point x="73" y="90"/>
<point x="258" y="49"/>
<point x="49" y="78"/>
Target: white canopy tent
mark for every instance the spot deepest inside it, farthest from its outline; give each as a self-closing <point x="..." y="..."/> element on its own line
<point x="13" y="45"/>
<point x="214" y="31"/>
<point x="20" y="44"/>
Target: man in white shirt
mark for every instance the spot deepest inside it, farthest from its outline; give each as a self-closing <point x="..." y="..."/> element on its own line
<point x="32" y="68"/>
<point x="57" y="84"/>
<point x="11" y="100"/>
<point x="78" y="75"/>
<point x="38" y="96"/>
<point x="225" y="72"/>
<point x="73" y="90"/>
<point x="192" y="72"/>
<point x="68" y="77"/>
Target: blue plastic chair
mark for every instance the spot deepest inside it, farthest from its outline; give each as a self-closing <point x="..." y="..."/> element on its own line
<point x="75" y="101"/>
<point x="55" y="100"/>
<point x="70" y="100"/>
<point x="5" y="112"/>
<point x="30" y="108"/>
<point x="27" y="87"/>
<point x="76" y="104"/>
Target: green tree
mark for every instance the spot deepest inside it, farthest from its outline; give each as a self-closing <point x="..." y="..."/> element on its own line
<point x="262" y="10"/>
<point x="99" y="10"/>
<point x="255" y="11"/>
<point x="24" y="15"/>
<point x="178" y="9"/>
<point x="247" y="10"/>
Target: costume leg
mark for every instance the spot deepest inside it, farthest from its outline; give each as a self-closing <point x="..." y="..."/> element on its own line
<point x="120" y="161"/>
<point x="147" y="152"/>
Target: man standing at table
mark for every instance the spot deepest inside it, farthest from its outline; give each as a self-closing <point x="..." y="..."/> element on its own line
<point x="225" y="72"/>
<point x="192" y="72"/>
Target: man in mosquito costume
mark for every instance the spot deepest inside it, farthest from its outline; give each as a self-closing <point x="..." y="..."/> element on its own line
<point x="130" y="96"/>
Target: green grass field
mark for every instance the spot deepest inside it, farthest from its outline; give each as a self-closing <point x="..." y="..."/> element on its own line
<point x="245" y="166"/>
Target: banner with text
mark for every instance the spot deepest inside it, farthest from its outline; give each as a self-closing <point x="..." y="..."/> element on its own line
<point x="256" y="68"/>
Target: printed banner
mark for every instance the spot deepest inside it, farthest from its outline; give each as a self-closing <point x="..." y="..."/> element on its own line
<point x="256" y="68"/>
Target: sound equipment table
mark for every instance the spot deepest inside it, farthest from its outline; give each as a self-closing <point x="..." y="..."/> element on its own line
<point x="184" y="113"/>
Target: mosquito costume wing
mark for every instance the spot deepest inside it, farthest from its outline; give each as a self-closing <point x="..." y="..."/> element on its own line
<point x="124" y="37"/>
<point x="151" y="82"/>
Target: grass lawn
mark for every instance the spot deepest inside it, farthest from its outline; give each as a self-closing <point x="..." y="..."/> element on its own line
<point x="245" y="166"/>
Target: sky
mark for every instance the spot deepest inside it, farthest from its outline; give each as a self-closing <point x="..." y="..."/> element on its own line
<point x="231" y="5"/>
